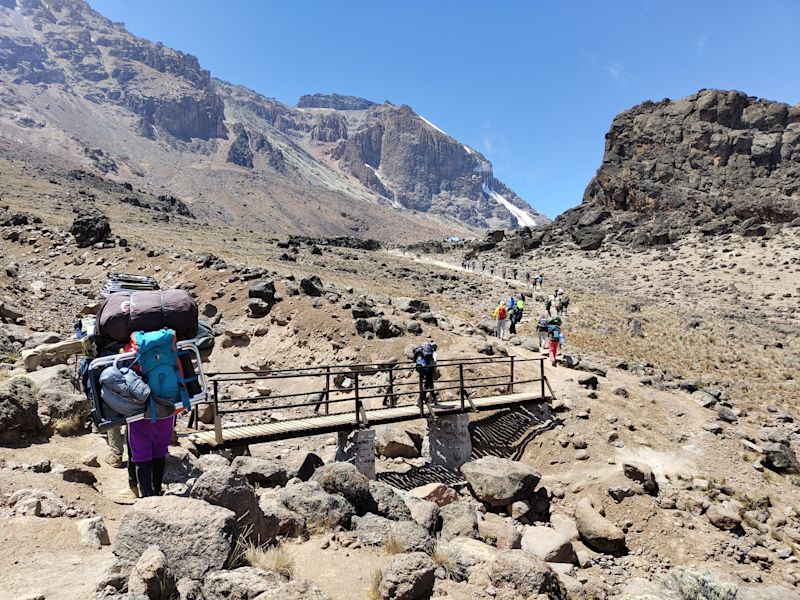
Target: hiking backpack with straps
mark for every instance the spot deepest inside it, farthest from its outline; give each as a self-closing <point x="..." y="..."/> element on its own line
<point x="502" y="312"/>
<point x="157" y="361"/>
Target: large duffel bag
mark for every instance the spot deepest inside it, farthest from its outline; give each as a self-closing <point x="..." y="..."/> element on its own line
<point x="125" y="312"/>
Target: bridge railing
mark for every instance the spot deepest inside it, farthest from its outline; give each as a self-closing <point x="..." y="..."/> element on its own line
<point x="328" y="387"/>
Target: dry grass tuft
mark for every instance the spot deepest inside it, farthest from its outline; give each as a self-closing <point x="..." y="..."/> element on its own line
<point x="274" y="559"/>
<point x="446" y="559"/>
<point x="373" y="593"/>
<point x="394" y="546"/>
<point x="69" y="425"/>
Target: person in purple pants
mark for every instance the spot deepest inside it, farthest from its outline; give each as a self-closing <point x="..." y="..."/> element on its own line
<point x="149" y="444"/>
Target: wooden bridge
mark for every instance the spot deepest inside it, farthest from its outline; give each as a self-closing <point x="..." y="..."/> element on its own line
<point x="345" y="395"/>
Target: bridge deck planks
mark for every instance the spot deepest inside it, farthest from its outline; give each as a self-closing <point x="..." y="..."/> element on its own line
<point x="267" y="432"/>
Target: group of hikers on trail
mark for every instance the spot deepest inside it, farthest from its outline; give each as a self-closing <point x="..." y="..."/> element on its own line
<point x="548" y="325"/>
<point x="509" y="311"/>
<point x="535" y="280"/>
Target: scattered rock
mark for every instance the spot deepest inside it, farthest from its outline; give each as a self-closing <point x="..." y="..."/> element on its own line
<point x="596" y="531"/>
<point x="459" y="519"/>
<point x="408" y="577"/>
<point x="373" y="530"/>
<point x="321" y="510"/>
<point x="260" y="472"/>
<point x="643" y="474"/>
<point x="499" y="481"/>
<point x="346" y="480"/>
<point x="150" y="576"/>
<point x="438" y="493"/>
<point x="93" y="532"/>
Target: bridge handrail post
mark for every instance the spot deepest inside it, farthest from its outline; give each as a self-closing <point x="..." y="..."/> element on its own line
<point x="541" y="374"/>
<point x="327" y="389"/>
<point x="358" y="398"/>
<point x="462" y="391"/>
<point x="511" y="377"/>
<point x="390" y="399"/>
<point x="421" y="401"/>
<point x="217" y="417"/>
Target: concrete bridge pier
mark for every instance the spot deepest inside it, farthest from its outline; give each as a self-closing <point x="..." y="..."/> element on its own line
<point x="358" y="447"/>
<point x="449" y="441"/>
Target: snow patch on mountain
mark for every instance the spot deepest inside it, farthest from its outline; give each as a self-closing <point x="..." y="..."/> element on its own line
<point x="523" y="218"/>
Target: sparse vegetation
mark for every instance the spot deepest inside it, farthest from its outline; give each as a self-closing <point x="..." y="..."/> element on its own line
<point x="373" y="592"/>
<point x="68" y="425"/>
<point x="394" y="545"/>
<point x="275" y="559"/>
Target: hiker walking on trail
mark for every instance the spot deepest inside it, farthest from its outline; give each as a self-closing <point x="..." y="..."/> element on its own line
<point x="516" y="315"/>
<point x="425" y="364"/>
<point x="539" y="280"/>
<point x="541" y="330"/>
<point x="514" y="271"/>
<point x="554" y="338"/>
<point x="501" y="316"/>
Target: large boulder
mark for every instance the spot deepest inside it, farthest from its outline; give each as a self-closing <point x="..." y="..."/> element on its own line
<point x="195" y="536"/>
<point x="260" y="472"/>
<point x="225" y="487"/>
<point x="261" y="297"/>
<point x="499" y="481"/>
<point x="423" y="512"/>
<point x="525" y="574"/>
<point x="393" y="442"/>
<point x="408" y="577"/>
<point x="724" y="516"/>
<point x="64" y="411"/>
<point x="321" y="510"/>
<point x="373" y="530"/>
<point x="89" y="228"/>
<point x="18" y="409"/>
<point x="346" y="480"/>
<point x="388" y="503"/>
<point x="596" y="531"/>
<point x="300" y="589"/>
<point x="459" y="519"/>
<point x="780" y="457"/>
<point x="282" y="521"/>
<point x="549" y="544"/>
<point x="244" y="583"/>
<point x="181" y="466"/>
<point x="643" y="474"/>
<point x="411" y="305"/>
<point x="312" y="286"/>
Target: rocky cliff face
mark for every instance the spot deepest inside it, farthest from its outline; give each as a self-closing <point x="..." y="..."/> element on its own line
<point x="403" y="157"/>
<point x="334" y="101"/>
<point x="717" y="161"/>
<point x="79" y="86"/>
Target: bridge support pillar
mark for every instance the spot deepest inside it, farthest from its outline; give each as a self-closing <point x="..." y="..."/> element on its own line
<point x="449" y="440"/>
<point x="357" y="447"/>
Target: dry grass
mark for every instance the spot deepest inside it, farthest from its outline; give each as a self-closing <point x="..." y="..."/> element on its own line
<point x="275" y="559"/>
<point x="69" y="425"/>
<point x="446" y="559"/>
<point x="373" y="592"/>
<point x="393" y="546"/>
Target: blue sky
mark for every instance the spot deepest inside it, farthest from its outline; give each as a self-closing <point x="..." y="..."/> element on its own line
<point x="532" y="85"/>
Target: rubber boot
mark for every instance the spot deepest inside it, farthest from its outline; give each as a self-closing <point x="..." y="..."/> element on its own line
<point x="144" y="477"/>
<point x="159" y="464"/>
